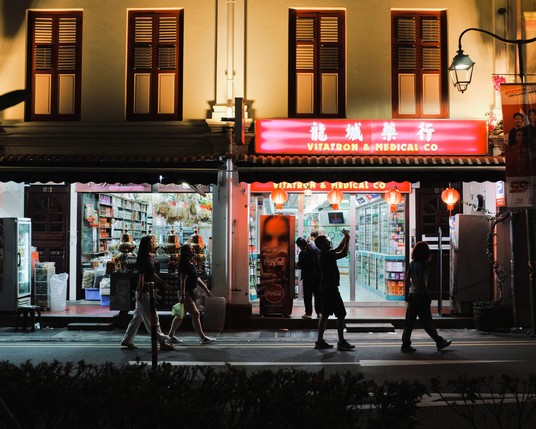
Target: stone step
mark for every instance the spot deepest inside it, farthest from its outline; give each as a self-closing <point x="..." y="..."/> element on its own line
<point x="370" y="327"/>
<point x="90" y="327"/>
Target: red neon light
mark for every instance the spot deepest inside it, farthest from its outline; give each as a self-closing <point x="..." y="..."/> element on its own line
<point x="347" y="187"/>
<point x="370" y="137"/>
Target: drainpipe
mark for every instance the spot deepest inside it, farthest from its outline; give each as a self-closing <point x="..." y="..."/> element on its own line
<point x="230" y="55"/>
<point x="229" y="183"/>
<point x="512" y="273"/>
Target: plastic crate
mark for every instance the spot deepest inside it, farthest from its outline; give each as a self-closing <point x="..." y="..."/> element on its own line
<point x="105" y="300"/>
<point x="92" y="294"/>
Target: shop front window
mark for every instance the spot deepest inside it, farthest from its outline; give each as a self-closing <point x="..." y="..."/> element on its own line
<point x="374" y="270"/>
<point x="113" y="224"/>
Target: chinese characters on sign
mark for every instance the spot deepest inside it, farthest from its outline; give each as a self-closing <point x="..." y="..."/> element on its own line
<point x="370" y="137"/>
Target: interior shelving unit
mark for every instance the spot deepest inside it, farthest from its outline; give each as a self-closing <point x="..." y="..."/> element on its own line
<point x="380" y="249"/>
<point x="117" y="214"/>
<point x="105" y="218"/>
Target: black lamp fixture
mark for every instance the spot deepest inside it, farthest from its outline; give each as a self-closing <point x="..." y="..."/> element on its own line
<point x="461" y="68"/>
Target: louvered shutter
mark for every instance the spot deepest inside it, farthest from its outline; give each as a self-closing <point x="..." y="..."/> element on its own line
<point x="316" y="81"/>
<point x="154" y="66"/>
<point x="55" y="72"/>
<point x="419" y="69"/>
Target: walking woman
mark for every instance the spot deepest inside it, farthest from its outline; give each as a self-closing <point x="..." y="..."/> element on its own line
<point x="418" y="298"/>
<point x="189" y="279"/>
<point x="142" y="312"/>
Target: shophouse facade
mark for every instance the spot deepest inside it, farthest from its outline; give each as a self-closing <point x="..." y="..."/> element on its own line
<point x="150" y="92"/>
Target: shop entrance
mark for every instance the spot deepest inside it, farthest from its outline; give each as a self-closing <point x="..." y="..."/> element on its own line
<point x="48" y="207"/>
<point x="374" y="269"/>
<point x="434" y="216"/>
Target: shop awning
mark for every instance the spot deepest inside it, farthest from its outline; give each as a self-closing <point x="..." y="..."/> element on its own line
<point x="432" y="169"/>
<point x="111" y="169"/>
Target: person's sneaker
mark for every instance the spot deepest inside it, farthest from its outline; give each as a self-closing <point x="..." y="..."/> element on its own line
<point x="208" y="340"/>
<point x="129" y="346"/>
<point x="444" y="344"/>
<point x="345" y="346"/>
<point x="407" y="349"/>
<point x="174" y="340"/>
<point x="322" y="345"/>
<point x="166" y="347"/>
<point x="306" y="316"/>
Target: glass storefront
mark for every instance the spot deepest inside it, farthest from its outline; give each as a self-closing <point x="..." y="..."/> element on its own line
<point x="108" y="219"/>
<point x="374" y="269"/>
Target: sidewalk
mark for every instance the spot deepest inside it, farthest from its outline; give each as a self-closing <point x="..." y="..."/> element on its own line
<point x="114" y="336"/>
<point x="97" y="317"/>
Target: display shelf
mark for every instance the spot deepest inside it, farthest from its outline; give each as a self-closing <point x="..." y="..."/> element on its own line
<point x="394" y="276"/>
<point x="381" y="249"/>
<point x="253" y="255"/>
<point x="117" y="213"/>
<point x="105" y="217"/>
<point x="43" y="271"/>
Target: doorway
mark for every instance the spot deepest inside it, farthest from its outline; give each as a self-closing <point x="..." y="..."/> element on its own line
<point x="48" y="208"/>
<point x="431" y="216"/>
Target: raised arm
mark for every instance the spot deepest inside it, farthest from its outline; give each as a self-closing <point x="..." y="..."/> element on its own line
<point x="342" y="249"/>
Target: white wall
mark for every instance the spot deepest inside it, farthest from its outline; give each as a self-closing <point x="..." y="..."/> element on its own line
<point x="11" y="199"/>
<point x="368" y="54"/>
<point x="104" y="37"/>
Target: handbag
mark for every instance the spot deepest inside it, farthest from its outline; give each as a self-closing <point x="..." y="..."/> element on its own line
<point x="178" y="310"/>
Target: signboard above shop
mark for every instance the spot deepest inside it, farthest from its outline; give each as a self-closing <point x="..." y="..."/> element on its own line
<point x="402" y="137"/>
<point x="347" y="187"/>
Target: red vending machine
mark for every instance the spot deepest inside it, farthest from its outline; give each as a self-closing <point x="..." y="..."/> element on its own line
<point x="277" y="252"/>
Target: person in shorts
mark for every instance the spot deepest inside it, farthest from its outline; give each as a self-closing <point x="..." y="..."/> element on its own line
<point x="331" y="300"/>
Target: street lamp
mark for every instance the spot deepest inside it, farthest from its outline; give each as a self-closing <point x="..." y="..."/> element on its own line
<point x="461" y="68"/>
<point x="461" y="72"/>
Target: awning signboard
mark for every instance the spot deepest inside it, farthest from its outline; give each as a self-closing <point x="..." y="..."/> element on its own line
<point x="347" y="187"/>
<point x="400" y="137"/>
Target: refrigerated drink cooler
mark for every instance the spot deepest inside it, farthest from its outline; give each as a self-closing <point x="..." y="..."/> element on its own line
<point x="470" y="268"/>
<point x="15" y="263"/>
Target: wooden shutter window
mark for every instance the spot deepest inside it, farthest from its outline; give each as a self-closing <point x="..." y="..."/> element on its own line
<point x="154" y="76"/>
<point x="316" y="64"/>
<point x="143" y="37"/>
<point x="54" y="69"/>
<point x="419" y="78"/>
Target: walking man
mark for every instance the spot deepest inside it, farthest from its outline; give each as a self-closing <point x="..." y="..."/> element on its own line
<point x="331" y="300"/>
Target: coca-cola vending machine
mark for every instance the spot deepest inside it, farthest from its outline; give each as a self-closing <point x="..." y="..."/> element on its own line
<point x="277" y="252"/>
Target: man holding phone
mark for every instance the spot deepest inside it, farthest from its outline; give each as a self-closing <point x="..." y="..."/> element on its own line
<point x="331" y="300"/>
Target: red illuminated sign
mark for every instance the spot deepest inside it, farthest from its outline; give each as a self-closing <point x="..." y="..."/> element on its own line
<point x="370" y="137"/>
<point x="348" y="187"/>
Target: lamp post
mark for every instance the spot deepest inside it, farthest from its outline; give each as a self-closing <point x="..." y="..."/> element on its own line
<point x="461" y="68"/>
<point x="461" y="73"/>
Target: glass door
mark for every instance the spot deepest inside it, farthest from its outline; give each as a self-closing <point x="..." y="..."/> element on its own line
<point x="24" y="259"/>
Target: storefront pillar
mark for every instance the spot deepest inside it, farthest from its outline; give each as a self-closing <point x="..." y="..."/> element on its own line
<point x="230" y="245"/>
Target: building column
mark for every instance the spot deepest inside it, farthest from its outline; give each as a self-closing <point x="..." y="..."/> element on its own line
<point x="230" y="58"/>
<point x="230" y="269"/>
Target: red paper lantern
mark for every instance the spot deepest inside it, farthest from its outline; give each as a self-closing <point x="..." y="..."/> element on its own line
<point x="450" y="196"/>
<point x="393" y="197"/>
<point x="335" y="196"/>
<point x="279" y="197"/>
